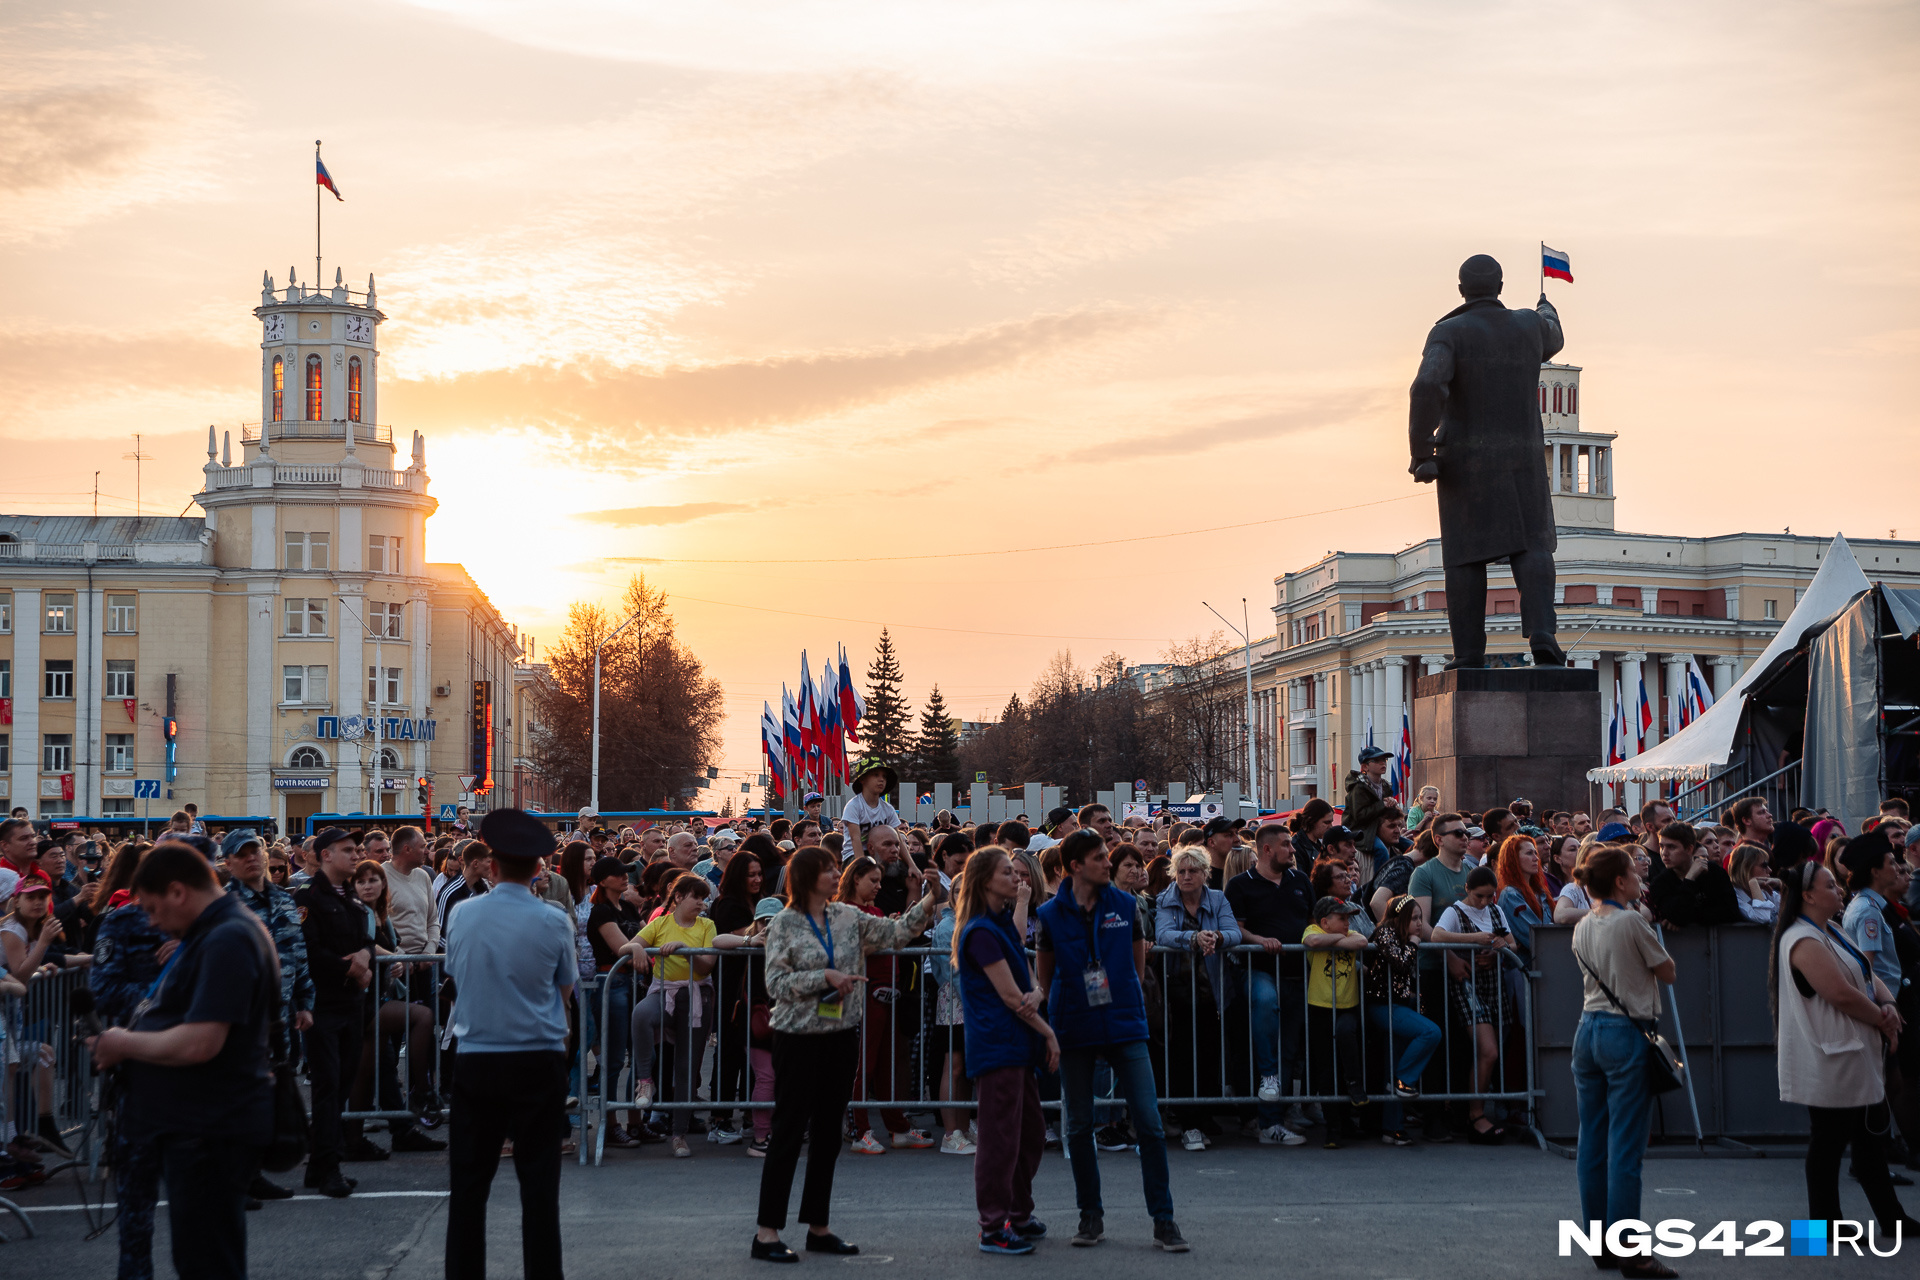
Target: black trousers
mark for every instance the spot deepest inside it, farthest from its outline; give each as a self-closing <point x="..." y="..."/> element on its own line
<point x="333" y="1058"/>
<point x="1467" y="606"/>
<point x="207" y="1204"/>
<point x="812" y="1084"/>
<point x="497" y="1096"/>
<point x="1866" y="1128"/>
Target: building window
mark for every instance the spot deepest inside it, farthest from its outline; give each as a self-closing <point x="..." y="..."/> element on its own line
<point x="353" y="389"/>
<point x="1556" y="397"/>
<point x="1354" y="622"/>
<point x="116" y="808"/>
<point x="303" y="684"/>
<point x="307" y="758"/>
<point x="121" y="615"/>
<point x="1770" y="608"/>
<point x="6" y="752"/>
<point x="306" y="617"/>
<point x="59" y="679"/>
<point x="389" y="760"/>
<point x="52" y="810"/>
<point x="309" y="551"/>
<point x="313" y="389"/>
<point x="1573" y="399"/>
<point x="6" y="613"/>
<point x="383" y="620"/>
<point x="383" y="554"/>
<point x="59" y="613"/>
<point x="1309" y="747"/>
<point x="1543" y="397"/>
<point x="119" y="753"/>
<point x="120" y="678"/>
<point x="6" y="677"/>
<point x="279" y="388"/>
<point x="56" y="753"/>
<point x="390" y="695"/>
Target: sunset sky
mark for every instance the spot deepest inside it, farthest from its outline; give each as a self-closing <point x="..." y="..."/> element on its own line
<point x="733" y="283"/>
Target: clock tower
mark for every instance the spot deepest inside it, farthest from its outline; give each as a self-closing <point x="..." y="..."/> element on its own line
<point x="319" y="368"/>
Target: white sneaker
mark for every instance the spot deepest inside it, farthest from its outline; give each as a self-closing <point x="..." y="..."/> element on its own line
<point x="1194" y="1140"/>
<point x="643" y="1095"/>
<point x="1280" y="1135"/>
<point x="1052" y="1139"/>
<point x="867" y="1146"/>
<point x="724" y="1137"/>
<point x="956" y="1144"/>
<point x="1269" y="1088"/>
<point x="912" y="1139"/>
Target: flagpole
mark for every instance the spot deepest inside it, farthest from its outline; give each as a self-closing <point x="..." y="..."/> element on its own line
<point x="1543" y="268"/>
<point x="316" y="214"/>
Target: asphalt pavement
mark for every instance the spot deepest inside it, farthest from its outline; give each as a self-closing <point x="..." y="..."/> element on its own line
<point x="1363" y="1211"/>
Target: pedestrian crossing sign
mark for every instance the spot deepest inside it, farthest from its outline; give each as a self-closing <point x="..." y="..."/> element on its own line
<point x="446" y="813"/>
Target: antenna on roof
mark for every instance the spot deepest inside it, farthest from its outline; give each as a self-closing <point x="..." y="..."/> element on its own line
<point x="136" y="457"/>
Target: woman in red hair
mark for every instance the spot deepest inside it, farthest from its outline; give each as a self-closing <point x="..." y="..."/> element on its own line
<point x="1525" y="899"/>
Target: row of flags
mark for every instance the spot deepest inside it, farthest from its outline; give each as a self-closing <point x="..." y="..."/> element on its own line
<point x="805" y="745"/>
<point x="1628" y="726"/>
<point x="1400" y="770"/>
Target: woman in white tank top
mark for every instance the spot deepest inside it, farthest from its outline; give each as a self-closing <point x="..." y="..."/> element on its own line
<point x="1834" y="1023"/>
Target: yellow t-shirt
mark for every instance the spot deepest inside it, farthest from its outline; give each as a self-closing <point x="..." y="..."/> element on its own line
<point x="666" y="929"/>
<point x="1333" y="977"/>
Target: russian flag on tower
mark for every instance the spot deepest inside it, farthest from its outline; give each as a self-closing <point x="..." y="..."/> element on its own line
<point x="325" y="179"/>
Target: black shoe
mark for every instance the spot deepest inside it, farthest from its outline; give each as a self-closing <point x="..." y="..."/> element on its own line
<point x="315" y="1178"/>
<point x="364" y="1149"/>
<point x="252" y="1204"/>
<point x="411" y="1139"/>
<point x="49" y="1133"/>
<point x="1356" y="1095"/>
<point x="1406" y="1089"/>
<point x="261" y="1189"/>
<point x="773" y="1251"/>
<point x="1092" y="1230"/>
<point x="1167" y="1236"/>
<point x="830" y="1243"/>
<point x="336" y="1186"/>
<point x="1469" y="662"/>
<point x="1031" y="1229"/>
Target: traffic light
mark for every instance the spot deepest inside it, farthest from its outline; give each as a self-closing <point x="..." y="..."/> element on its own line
<point x="423" y="792"/>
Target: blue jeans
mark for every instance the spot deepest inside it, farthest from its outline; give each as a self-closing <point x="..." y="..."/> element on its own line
<point x="1610" y="1086"/>
<point x="618" y="988"/>
<point x="1133" y="1067"/>
<point x="1278" y="1022"/>
<point x="1409" y="1041"/>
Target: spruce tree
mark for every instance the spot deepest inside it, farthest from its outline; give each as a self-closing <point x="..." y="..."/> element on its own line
<point x="884" y="728"/>
<point x="937" y="748"/>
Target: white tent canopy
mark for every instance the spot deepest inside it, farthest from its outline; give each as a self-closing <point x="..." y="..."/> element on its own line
<point x="1707" y="743"/>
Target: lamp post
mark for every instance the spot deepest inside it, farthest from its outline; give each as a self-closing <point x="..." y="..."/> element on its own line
<point x="1245" y="633"/>
<point x="594" y="793"/>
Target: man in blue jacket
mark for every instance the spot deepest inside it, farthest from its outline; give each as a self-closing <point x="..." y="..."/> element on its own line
<point x="1092" y="956"/>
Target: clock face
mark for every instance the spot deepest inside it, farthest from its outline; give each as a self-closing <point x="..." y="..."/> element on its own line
<point x="359" y="329"/>
<point x="276" y="327"/>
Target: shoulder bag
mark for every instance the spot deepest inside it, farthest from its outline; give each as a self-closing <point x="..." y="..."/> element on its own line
<point x="1665" y="1070"/>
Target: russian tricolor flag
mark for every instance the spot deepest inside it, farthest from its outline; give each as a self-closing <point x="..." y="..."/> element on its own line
<point x="1555" y="264"/>
<point x="325" y="179"/>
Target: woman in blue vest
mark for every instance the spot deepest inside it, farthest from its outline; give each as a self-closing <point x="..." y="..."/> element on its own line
<point x="1006" y="1039"/>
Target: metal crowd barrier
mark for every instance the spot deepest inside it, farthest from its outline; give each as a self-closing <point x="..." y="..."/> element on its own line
<point x="1210" y="1052"/>
<point x="403" y="983"/>
<point x="41" y="1052"/>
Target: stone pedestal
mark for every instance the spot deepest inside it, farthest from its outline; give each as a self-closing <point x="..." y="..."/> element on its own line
<point x="1485" y="736"/>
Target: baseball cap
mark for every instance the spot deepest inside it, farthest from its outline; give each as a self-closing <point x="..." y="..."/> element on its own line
<point x="725" y="835"/>
<point x="1057" y="816"/>
<point x="604" y="867"/>
<point x="768" y="908"/>
<point x="1614" y="831"/>
<point x="327" y="836"/>
<point x="811" y="796"/>
<point x="237" y="841"/>
<point x="1370" y="754"/>
<point x="1519" y="802"/>
<point x="1476" y="833"/>
<point x="1218" y="827"/>
<point x="1332" y="906"/>
<point x="1340" y="835"/>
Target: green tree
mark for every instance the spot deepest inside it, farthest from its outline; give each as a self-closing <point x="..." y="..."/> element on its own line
<point x="936" y="750"/>
<point x="884" y="728"/>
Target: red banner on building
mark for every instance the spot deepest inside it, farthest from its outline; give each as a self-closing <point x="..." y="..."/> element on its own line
<point x="6" y="710"/>
<point x="66" y="786"/>
<point x="128" y="704"/>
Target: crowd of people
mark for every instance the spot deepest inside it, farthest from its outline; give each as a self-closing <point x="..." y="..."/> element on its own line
<point x="1262" y="978"/>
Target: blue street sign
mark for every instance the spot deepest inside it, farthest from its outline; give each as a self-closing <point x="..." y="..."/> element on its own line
<point x="146" y="788"/>
<point x="447" y="814"/>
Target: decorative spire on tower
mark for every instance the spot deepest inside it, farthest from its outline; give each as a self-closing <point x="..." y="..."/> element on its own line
<point x="211" y="442"/>
<point x="226" y="448"/>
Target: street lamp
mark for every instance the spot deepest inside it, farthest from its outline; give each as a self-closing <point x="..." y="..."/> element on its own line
<point x="594" y="795"/>
<point x="1244" y="632"/>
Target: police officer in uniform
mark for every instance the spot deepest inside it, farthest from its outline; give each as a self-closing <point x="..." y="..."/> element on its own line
<point x="196" y="1077"/>
<point x="340" y="959"/>
<point x="127" y="954"/>
<point x="274" y="908"/>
